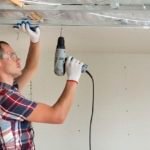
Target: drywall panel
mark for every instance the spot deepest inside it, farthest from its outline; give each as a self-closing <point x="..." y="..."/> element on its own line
<point x="85" y="39"/>
<point x="121" y="114"/>
<point x="121" y="105"/>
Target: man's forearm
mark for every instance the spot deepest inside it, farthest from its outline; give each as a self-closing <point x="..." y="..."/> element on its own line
<point x="33" y="56"/>
<point x="63" y="105"/>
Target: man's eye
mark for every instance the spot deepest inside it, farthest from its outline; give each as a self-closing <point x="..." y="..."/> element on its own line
<point x="13" y="55"/>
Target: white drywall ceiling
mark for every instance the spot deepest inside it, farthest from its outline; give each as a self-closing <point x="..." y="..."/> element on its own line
<point x="84" y="39"/>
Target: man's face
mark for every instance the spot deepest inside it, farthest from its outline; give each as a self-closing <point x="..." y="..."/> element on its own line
<point x="10" y="63"/>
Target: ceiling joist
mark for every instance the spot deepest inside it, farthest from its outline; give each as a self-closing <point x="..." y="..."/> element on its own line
<point x="78" y="12"/>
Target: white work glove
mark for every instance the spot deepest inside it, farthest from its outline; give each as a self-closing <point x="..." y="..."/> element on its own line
<point x="34" y="35"/>
<point x="73" y="69"/>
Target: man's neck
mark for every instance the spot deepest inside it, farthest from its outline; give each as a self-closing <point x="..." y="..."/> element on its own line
<point x="8" y="80"/>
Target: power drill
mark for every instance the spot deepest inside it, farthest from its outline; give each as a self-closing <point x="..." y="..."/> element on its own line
<point x="60" y="58"/>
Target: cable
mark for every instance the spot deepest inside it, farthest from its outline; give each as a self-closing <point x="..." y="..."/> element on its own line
<point x="92" y="113"/>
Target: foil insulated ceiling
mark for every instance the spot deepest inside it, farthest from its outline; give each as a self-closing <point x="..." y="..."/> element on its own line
<point x="115" y="13"/>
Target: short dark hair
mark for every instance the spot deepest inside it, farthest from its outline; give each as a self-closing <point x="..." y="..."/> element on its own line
<point x="1" y="48"/>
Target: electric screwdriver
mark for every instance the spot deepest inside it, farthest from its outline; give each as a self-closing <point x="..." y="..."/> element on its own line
<point x="60" y="58"/>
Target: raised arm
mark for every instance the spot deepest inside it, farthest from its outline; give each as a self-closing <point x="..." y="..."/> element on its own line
<point x="58" y="112"/>
<point x="32" y="57"/>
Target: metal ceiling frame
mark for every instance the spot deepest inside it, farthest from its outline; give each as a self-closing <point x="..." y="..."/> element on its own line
<point x="104" y="14"/>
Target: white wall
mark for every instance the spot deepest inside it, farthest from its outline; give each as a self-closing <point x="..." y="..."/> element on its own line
<point x="121" y="70"/>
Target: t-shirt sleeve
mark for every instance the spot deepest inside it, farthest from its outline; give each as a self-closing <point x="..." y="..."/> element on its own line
<point x="15" y="106"/>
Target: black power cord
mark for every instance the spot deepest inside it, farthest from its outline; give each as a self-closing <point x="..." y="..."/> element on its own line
<point x="92" y="113"/>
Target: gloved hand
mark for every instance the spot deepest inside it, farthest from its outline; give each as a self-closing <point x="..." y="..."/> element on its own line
<point x="34" y="35"/>
<point x="73" y="69"/>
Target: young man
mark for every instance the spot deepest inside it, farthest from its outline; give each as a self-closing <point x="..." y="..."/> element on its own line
<point x="17" y="112"/>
